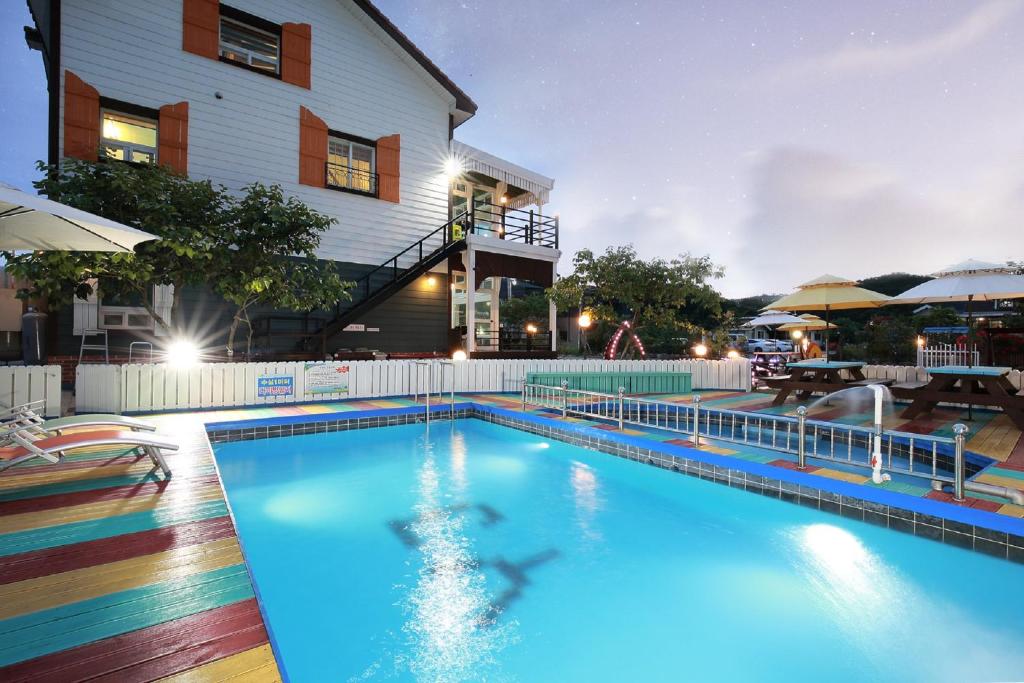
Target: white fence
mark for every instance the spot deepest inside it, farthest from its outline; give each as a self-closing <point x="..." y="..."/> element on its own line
<point x="158" y="387"/>
<point x="947" y="354"/>
<point x="21" y="384"/>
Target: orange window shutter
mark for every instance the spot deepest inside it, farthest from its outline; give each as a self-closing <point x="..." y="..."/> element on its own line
<point x="81" y="118"/>
<point x="173" y="134"/>
<point x="296" y="54"/>
<point x="200" y="29"/>
<point x="389" y="152"/>
<point x="312" y="149"/>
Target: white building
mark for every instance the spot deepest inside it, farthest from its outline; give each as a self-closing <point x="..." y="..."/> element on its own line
<point x="329" y="100"/>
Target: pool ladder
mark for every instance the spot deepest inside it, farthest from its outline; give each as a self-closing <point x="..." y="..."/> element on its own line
<point x="430" y="365"/>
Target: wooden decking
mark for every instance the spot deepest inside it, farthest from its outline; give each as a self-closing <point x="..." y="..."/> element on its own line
<point x="108" y="572"/>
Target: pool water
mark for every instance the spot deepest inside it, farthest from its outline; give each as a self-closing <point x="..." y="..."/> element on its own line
<point x="474" y="552"/>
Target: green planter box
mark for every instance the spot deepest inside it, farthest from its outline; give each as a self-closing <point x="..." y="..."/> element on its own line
<point x="609" y="382"/>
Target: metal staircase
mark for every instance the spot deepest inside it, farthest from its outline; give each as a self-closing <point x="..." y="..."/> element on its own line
<point x="403" y="268"/>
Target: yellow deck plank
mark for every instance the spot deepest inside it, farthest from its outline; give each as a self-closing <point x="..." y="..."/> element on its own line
<point x="104" y="509"/>
<point x="843" y="476"/>
<point x="53" y="474"/>
<point x="256" y="665"/>
<point x="33" y="595"/>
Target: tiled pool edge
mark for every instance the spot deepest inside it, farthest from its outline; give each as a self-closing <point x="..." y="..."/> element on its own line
<point x="892" y="510"/>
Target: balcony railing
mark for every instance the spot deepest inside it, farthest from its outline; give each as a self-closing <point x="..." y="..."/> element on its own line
<point x="514" y="225"/>
<point x="342" y="177"/>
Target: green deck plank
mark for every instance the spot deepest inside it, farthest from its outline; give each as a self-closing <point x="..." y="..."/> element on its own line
<point x="79" y="532"/>
<point x="61" y="628"/>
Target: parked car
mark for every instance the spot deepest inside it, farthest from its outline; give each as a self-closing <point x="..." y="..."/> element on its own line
<point x="784" y="345"/>
<point x="760" y="345"/>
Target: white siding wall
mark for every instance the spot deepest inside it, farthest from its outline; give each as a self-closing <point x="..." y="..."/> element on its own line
<point x="362" y="84"/>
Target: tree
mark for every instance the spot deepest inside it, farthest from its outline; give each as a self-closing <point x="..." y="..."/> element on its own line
<point x="657" y="293"/>
<point x="267" y="257"/>
<point x="521" y="310"/>
<point x="937" y="316"/>
<point x="185" y="214"/>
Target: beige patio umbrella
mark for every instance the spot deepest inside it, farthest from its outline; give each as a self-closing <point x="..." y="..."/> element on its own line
<point x="829" y="293"/>
<point x="808" y="323"/>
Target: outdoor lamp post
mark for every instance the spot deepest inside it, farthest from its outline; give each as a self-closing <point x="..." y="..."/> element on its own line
<point x="700" y="350"/>
<point x="531" y="330"/>
<point x="585" y="322"/>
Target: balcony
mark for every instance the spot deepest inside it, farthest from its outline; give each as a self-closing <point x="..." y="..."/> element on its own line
<point x="351" y="179"/>
<point x="513" y="225"/>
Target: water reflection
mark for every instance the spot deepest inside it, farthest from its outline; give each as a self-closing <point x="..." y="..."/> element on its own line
<point x="447" y="609"/>
<point x="586" y="496"/>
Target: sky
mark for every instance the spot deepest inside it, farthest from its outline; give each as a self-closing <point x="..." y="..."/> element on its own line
<point x="784" y="139"/>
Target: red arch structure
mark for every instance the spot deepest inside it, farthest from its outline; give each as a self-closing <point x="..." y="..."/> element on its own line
<point x="623" y="335"/>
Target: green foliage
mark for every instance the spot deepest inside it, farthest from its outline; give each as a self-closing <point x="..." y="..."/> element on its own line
<point x="184" y="213"/>
<point x="890" y="340"/>
<point x="267" y="253"/>
<point x="256" y="249"/>
<point x="936" y="316"/>
<point x="521" y="310"/>
<point x="663" y="300"/>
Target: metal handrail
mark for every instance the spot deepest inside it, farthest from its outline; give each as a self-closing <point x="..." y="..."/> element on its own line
<point x="915" y="455"/>
<point x="354" y="178"/>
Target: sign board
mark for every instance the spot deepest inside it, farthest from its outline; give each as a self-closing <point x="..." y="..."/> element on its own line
<point x="326" y="378"/>
<point x="275" y="385"/>
<point x="355" y="327"/>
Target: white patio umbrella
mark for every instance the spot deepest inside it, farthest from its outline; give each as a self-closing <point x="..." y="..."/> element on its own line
<point x="32" y="223"/>
<point x="968" y="281"/>
<point x="772" y="318"/>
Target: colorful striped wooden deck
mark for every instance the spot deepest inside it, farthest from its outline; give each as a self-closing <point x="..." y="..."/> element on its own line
<point x="108" y="572"/>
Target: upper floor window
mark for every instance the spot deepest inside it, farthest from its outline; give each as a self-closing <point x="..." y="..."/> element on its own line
<point x="351" y="164"/>
<point x="127" y="137"/>
<point x="250" y="41"/>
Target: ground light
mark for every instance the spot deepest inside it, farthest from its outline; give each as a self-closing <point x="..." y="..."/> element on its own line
<point x="585" y="320"/>
<point x="459" y="355"/>
<point x="182" y="353"/>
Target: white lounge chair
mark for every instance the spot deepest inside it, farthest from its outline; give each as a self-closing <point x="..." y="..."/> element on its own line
<point x="26" y="420"/>
<point x="53" y="448"/>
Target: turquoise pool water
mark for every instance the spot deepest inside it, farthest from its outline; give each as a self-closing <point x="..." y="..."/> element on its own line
<point x="474" y="552"/>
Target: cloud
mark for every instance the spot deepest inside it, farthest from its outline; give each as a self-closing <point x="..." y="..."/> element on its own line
<point x="857" y="59"/>
<point x="817" y="213"/>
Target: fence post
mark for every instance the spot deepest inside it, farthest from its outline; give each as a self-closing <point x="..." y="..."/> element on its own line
<point x="622" y="392"/>
<point x="960" y="431"/>
<point x="696" y="420"/>
<point x="565" y="399"/>
<point x="801" y="418"/>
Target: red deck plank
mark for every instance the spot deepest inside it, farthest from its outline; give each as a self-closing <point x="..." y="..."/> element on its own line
<point x="151" y="653"/>
<point x="17" y="507"/>
<point x="101" y="551"/>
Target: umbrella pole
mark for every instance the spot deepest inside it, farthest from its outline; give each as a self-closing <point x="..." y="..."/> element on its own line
<point x="970" y="351"/>
<point x="827" y="331"/>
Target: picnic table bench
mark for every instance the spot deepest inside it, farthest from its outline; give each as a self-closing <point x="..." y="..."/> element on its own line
<point x="976" y="386"/>
<point x="809" y="376"/>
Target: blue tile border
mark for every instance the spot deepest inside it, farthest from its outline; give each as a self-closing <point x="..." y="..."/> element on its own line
<point x="978" y="530"/>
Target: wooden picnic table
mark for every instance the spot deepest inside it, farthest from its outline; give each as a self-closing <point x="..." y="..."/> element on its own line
<point x="978" y="386"/>
<point x="809" y="376"/>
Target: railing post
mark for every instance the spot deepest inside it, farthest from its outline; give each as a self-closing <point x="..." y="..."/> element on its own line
<point x="960" y="432"/>
<point x="801" y="431"/>
<point x="556" y="232"/>
<point x="565" y="399"/>
<point x="529" y="232"/>
<point x="622" y="393"/>
<point x="472" y="218"/>
<point x="696" y="420"/>
<point x="524" y="395"/>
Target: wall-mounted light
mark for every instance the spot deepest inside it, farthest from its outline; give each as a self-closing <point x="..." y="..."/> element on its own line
<point x="431" y="281"/>
<point x="452" y="167"/>
<point x="504" y="199"/>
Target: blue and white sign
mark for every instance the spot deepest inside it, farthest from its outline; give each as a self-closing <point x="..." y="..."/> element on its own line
<point x="275" y="385"/>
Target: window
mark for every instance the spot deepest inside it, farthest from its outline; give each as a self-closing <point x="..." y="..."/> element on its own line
<point x="250" y="41"/>
<point x="351" y="164"/>
<point x="127" y="137"/>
